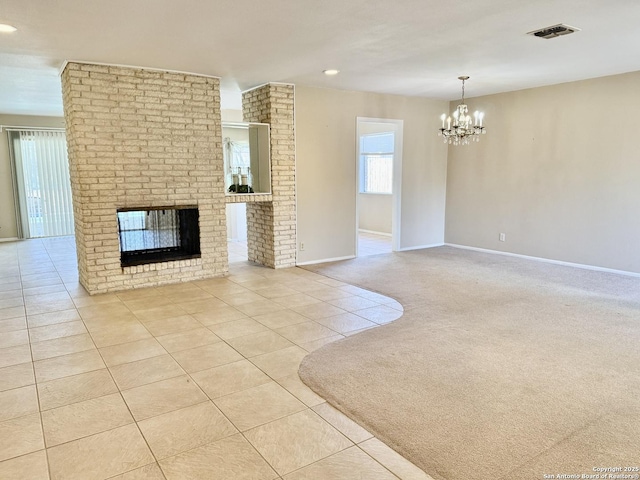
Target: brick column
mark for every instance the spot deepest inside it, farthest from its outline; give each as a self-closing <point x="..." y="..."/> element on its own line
<point x="271" y="226"/>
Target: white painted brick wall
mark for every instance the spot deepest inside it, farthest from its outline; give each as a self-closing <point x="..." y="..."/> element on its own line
<point x="142" y="138"/>
<point x="271" y="227"/>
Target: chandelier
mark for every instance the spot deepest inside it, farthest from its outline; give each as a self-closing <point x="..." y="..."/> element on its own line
<point x="462" y="129"/>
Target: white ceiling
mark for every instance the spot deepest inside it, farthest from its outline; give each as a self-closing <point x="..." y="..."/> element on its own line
<point x="406" y="47"/>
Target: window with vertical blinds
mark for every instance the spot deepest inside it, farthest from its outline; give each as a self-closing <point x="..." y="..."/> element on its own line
<point x="42" y="179"/>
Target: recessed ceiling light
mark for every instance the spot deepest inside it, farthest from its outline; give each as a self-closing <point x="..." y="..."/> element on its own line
<point x="4" y="28"/>
<point x="331" y="71"/>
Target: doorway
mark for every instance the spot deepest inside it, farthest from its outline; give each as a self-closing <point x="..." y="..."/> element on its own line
<point x="379" y="181"/>
<point x="237" y="232"/>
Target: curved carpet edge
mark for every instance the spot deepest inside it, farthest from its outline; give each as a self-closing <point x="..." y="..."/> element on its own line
<point x="491" y="371"/>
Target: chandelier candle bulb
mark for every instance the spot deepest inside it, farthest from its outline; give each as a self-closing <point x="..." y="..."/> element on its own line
<point x="464" y="129"/>
<point x="443" y="117"/>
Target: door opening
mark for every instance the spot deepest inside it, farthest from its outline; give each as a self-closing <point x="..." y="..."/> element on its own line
<point x="237" y="232"/>
<point x="379" y="170"/>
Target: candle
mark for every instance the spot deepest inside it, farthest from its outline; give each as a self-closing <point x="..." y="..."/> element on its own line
<point x="449" y="123"/>
<point x="443" y="117"/>
<point x="475" y="117"/>
<point x="480" y="116"/>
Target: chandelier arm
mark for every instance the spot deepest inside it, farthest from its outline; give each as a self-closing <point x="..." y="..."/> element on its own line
<point x="462" y="131"/>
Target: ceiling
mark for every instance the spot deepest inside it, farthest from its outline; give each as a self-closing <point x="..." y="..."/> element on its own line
<point x="405" y="47"/>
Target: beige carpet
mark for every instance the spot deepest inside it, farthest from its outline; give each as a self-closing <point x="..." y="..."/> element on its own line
<point x="500" y="368"/>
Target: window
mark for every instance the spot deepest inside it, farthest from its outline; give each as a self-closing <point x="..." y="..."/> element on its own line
<point x="376" y="163"/>
<point x="42" y="180"/>
<point x="238" y="154"/>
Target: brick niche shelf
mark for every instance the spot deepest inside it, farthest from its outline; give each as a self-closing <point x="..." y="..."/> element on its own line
<point x="249" y="198"/>
<point x="271" y="226"/>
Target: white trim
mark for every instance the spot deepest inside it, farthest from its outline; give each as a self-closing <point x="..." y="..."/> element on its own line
<point x="9" y="239"/>
<point x="295" y="170"/>
<point x="15" y="128"/>
<point x="548" y="260"/>
<point x="326" y="260"/>
<point x="420" y="247"/>
<point x="268" y="83"/>
<point x="62" y="67"/>
<point x="384" y="234"/>
<point x="243" y="124"/>
<point x="120" y="65"/>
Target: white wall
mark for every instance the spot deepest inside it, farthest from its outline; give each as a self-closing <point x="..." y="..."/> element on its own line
<point x="237" y="222"/>
<point x="374" y="212"/>
<point x="558" y="172"/>
<point x="236" y="212"/>
<point x="326" y="168"/>
<point x="8" y="228"/>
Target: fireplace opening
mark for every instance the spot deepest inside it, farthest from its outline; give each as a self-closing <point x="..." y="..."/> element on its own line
<point x="151" y="235"/>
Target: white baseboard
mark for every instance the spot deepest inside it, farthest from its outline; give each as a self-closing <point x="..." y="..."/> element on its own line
<point x="420" y="247"/>
<point x="325" y="260"/>
<point x="548" y="260"/>
<point x="384" y="234"/>
<point x="10" y="239"/>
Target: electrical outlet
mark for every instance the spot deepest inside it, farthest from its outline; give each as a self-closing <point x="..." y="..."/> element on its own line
<point x="503" y="237"/>
<point x="302" y="246"/>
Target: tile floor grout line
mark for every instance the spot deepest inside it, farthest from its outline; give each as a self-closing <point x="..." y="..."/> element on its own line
<point x="374" y="459"/>
<point x="35" y="380"/>
<point x="123" y="401"/>
<point x="243" y="273"/>
<point x="233" y="393"/>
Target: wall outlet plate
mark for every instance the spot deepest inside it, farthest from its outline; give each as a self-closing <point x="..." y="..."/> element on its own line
<point x="503" y="237"/>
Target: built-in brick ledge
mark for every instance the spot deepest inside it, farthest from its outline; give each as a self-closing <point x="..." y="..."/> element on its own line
<point x="249" y="198"/>
<point x="152" y="267"/>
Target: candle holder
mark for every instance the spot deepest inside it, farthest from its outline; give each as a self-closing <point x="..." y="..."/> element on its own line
<point x="464" y="129"/>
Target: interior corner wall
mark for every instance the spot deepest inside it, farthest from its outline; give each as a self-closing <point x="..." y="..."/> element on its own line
<point x="326" y="169"/>
<point x="558" y="173"/>
<point x="8" y="225"/>
<point x="375" y="212"/>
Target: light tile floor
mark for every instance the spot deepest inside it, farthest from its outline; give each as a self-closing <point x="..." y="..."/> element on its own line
<point x="373" y="244"/>
<point x="190" y="381"/>
<point x="237" y="251"/>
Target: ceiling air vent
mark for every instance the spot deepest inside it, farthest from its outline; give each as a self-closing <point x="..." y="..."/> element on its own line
<point x="554" y="31"/>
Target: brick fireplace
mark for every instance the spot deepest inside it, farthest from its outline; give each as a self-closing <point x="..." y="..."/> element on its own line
<point x="142" y="140"/>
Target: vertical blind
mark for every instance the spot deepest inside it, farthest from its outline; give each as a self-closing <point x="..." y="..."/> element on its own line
<point x="43" y="181"/>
